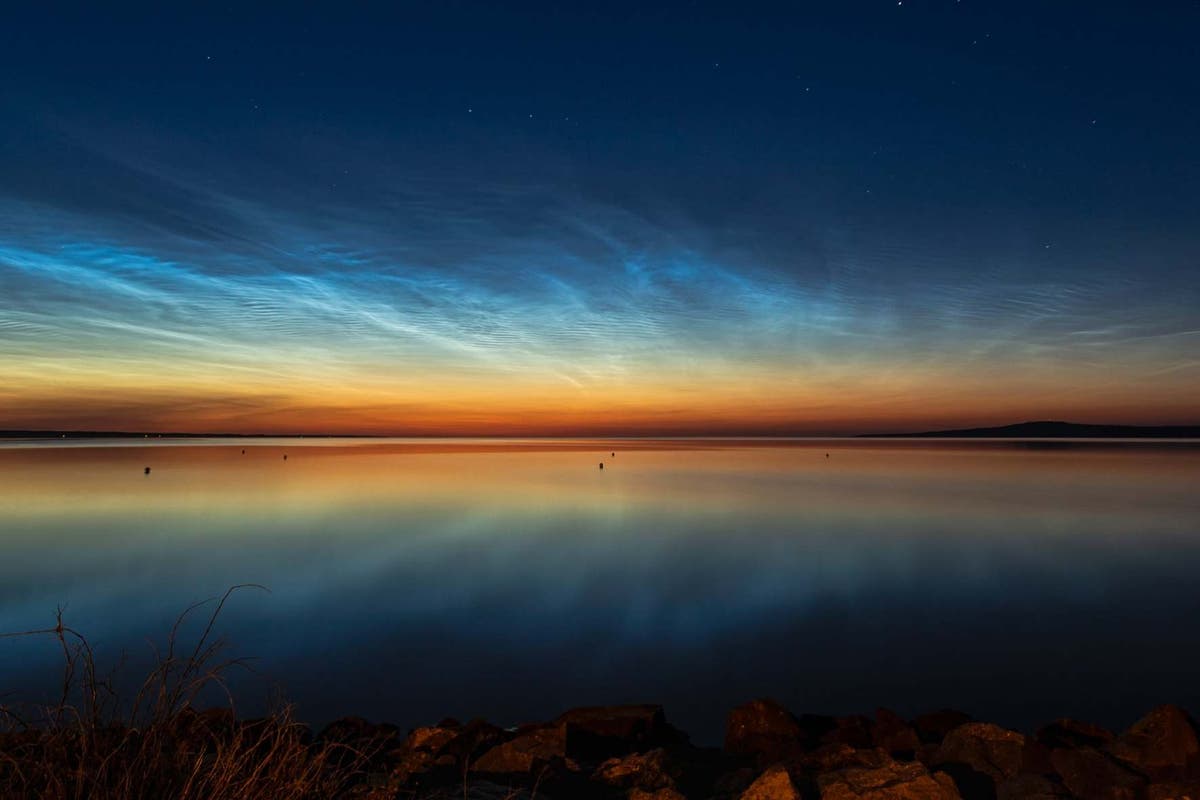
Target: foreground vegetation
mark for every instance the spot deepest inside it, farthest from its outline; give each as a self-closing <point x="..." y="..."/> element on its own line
<point x="92" y="744"/>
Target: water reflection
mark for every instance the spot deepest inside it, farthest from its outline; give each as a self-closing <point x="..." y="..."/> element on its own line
<point x="411" y="581"/>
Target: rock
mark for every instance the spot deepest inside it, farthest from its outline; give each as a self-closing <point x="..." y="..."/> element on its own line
<point x="985" y="748"/>
<point x="934" y="726"/>
<point x="892" y="781"/>
<point x="661" y="794"/>
<point x="892" y="734"/>
<point x="443" y="748"/>
<point x="1036" y="759"/>
<point x="477" y="790"/>
<point x="838" y="755"/>
<point x="1072" y="733"/>
<point x="732" y="784"/>
<point x="774" y="784"/>
<point x="520" y="755"/>
<point x="472" y="741"/>
<point x="430" y="739"/>
<point x="205" y="729"/>
<point x="856" y="731"/>
<point x="1031" y="787"/>
<point x="1162" y="744"/>
<point x="482" y="790"/>
<point x="356" y="731"/>
<point x="763" y="729"/>
<point x="1090" y="774"/>
<point x="374" y="743"/>
<point x="648" y="772"/>
<point x="814" y="727"/>
<point x="1173" y="791"/>
<point x="598" y="732"/>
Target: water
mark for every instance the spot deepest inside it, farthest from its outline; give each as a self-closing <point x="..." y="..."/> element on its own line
<point x="410" y="581"/>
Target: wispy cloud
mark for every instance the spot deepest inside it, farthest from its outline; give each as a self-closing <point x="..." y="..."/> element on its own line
<point x="160" y="276"/>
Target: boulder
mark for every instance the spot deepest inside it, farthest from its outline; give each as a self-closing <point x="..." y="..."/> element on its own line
<point x="648" y="772"/>
<point x="1161" y="744"/>
<point x="1090" y="774"/>
<point x="430" y="739"/>
<point x="1031" y="787"/>
<point x="1189" y="790"/>
<point x="733" y="782"/>
<point x="978" y="756"/>
<point x="1072" y="733"/>
<point x="856" y="731"/>
<point x="443" y="749"/>
<point x="934" y="726"/>
<point x="356" y="730"/>
<point x="763" y="729"/>
<point x="892" y="781"/>
<point x="831" y="757"/>
<point x="1036" y="759"/>
<point x="894" y="735"/>
<point x="375" y="743"/>
<point x="525" y="752"/>
<point x="204" y="730"/>
<point x="661" y="794"/>
<point x="774" y="784"/>
<point x="481" y="790"/>
<point x="985" y="748"/>
<point x="598" y="732"/>
<point x="814" y="727"/>
<point x="472" y="740"/>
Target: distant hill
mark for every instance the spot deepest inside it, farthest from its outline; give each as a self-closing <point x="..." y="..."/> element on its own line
<point x="1053" y="429"/>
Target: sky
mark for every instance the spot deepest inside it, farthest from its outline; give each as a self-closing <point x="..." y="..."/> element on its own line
<point x="614" y="218"/>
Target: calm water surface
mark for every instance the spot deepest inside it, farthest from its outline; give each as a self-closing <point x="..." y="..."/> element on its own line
<point x="415" y="580"/>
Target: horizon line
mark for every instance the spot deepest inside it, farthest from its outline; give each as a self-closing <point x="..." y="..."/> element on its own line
<point x="1185" y="430"/>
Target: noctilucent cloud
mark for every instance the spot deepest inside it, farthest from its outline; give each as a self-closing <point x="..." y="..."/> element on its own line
<point x="444" y="218"/>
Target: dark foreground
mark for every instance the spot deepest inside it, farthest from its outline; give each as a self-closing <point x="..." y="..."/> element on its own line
<point x="612" y="752"/>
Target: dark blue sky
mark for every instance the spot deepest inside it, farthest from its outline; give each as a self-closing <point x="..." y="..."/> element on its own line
<point x="918" y="211"/>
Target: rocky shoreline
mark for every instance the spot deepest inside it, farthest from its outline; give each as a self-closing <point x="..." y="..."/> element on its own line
<point x="769" y="753"/>
<point x="596" y="753"/>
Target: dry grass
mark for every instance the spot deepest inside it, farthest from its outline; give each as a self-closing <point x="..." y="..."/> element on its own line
<point x="93" y="745"/>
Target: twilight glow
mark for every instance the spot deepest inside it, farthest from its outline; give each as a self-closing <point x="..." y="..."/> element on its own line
<point x="446" y="220"/>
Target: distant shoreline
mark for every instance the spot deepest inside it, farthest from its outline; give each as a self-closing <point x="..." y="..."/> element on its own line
<point x="1053" y="429"/>
<point x="1044" y="429"/>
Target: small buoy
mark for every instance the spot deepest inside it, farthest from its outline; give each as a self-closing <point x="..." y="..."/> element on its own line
<point x="614" y="455"/>
<point x="243" y="452"/>
<point x="827" y="455"/>
<point x="147" y="471"/>
<point x="285" y="456"/>
<point x="601" y="465"/>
